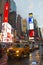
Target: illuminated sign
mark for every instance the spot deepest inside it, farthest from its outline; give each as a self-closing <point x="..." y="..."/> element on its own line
<point x="6" y="11"/>
<point x="8" y="28"/>
<point x="4" y="28"/>
<point x="31" y="33"/>
<point x="8" y="35"/>
<point x="30" y="19"/>
<point x="31" y="26"/>
<point x="6" y="32"/>
<point x="30" y="14"/>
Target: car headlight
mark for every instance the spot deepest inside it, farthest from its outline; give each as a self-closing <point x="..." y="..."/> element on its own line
<point x="17" y="51"/>
<point x="8" y="50"/>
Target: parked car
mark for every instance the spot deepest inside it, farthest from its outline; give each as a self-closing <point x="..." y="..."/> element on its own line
<point x="18" y="50"/>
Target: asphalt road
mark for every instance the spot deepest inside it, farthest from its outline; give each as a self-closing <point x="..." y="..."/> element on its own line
<point x="35" y="58"/>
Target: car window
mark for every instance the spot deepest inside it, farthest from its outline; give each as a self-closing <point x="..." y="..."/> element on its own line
<point x="18" y="45"/>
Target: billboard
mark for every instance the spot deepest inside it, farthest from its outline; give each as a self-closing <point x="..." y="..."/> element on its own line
<point x="12" y="19"/>
<point x="31" y="33"/>
<point x="30" y="14"/>
<point x="30" y="19"/>
<point x="6" y="12"/>
<point x="6" y="32"/>
<point x="9" y="28"/>
<point x="4" y="27"/>
<point x="31" y="26"/>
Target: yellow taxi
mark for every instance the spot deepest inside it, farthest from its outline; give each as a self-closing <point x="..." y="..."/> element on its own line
<point x="18" y="50"/>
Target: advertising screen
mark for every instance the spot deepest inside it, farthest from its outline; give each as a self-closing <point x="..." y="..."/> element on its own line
<point x="6" y="11"/>
<point x="31" y="26"/>
<point x="30" y="19"/>
<point x="31" y="33"/>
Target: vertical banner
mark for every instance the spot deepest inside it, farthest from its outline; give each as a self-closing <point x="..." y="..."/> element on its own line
<point x="31" y="27"/>
<point x="6" y="11"/>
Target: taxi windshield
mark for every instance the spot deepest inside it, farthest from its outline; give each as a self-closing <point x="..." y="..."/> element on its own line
<point x="18" y="46"/>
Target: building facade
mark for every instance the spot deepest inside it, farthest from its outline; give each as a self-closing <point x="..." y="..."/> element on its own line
<point x="35" y="29"/>
<point x="19" y="24"/>
<point x="1" y="12"/>
<point x="12" y="14"/>
<point x="39" y="33"/>
<point x="24" y="25"/>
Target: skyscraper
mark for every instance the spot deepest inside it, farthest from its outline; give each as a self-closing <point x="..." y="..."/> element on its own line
<point x="35" y="29"/>
<point x="19" y="24"/>
<point x="12" y="14"/>
<point x="1" y="13"/>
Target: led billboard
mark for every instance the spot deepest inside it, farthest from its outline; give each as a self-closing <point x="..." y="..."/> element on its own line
<point x="31" y="26"/>
<point x="30" y="14"/>
<point x="30" y="19"/>
<point x="31" y="33"/>
<point x="6" y="11"/>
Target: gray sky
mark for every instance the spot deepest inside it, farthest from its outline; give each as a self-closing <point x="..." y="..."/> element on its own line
<point x="27" y="6"/>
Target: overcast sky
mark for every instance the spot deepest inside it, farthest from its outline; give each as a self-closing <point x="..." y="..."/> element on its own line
<point x="27" y="6"/>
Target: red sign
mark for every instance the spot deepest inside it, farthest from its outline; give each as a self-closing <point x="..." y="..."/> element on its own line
<point x="31" y="33"/>
<point x="6" y="11"/>
<point x="8" y="35"/>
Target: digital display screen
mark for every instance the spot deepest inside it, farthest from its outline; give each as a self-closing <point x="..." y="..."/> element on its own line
<point x="31" y="26"/>
<point x="31" y="33"/>
<point x="30" y="19"/>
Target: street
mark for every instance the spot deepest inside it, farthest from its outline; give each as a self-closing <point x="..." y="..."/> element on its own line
<point x="21" y="32"/>
<point x="35" y="58"/>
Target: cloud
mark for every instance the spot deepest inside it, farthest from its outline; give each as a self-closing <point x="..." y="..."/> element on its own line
<point x="40" y="4"/>
<point x="31" y="6"/>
